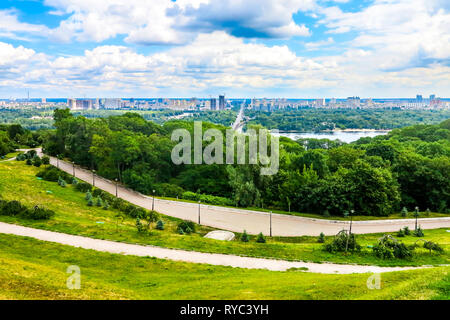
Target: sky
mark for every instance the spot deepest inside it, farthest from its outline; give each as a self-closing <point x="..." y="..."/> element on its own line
<point x="241" y="48"/>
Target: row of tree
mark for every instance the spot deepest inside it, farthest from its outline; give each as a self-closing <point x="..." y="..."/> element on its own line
<point x="373" y="176"/>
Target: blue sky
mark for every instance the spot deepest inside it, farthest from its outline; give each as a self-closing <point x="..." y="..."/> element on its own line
<point x="251" y="48"/>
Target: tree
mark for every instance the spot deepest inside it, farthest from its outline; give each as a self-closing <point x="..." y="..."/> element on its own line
<point x="245" y="237"/>
<point x="404" y="212"/>
<point x="160" y="225"/>
<point x="260" y="238"/>
<point x="321" y="238"/>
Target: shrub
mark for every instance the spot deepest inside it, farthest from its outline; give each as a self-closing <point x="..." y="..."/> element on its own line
<point x="74" y="181"/>
<point x="245" y="237"/>
<point x="12" y="208"/>
<point x="105" y="205"/>
<point x="88" y="196"/>
<point x="404" y="212"/>
<point x="419" y="232"/>
<point x="21" y="157"/>
<point x="160" y="225"/>
<point x="61" y="182"/>
<point x="186" y="226"/>
<point x="31" y="154"/>
<point x="37" y="162"/>
<point x="406" y="231"/>
<point x="326" y="213"/>
<point x="90" y="203"/>
<point x="221" y="201"/>
<point x="321" y="238"/>
<point x="388" y="248"/>
<point x="83" y="187"/>
<point x="45" y="160"/>
<point x="169" y="190"/>
<point x="99" y="202"/>
<point x="427" y="212"/>
<point x="260" y="238"/>
<point x="53" y="174"/>
<point x="29" y="162"/>
<point x="432" y="246"/>
<point x="97" y="192"/>
<point x="38" y="213"/>
<point x="139" y="226"/>
<point x="343" y="241"/>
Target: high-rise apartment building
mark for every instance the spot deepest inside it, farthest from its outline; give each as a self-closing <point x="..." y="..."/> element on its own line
<point x="212" y="103"/>
<point x="221" y="102"/>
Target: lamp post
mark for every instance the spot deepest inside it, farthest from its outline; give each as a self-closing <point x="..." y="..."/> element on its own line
<point x="116" y="187"/>
<point x="351" y="220"/>
<point x="416" y="214"/>
<point x="57" y="161"/>
<point x="153" y="201"/>
<point x="93" y="178"/>
<point x="73" y="169"/>
<point x="198" y="211"/>
<point x="270" y="223"/>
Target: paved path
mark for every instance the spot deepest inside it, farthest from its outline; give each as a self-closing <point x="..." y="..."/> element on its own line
<point x="253" y="222"/>
<point x="188" y="256"/>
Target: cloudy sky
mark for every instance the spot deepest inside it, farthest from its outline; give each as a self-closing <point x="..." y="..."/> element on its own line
<point x="243" y="48"/>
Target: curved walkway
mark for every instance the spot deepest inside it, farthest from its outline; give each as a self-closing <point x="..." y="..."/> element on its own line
<point x="189" y="256"/>
<point x="253" y="222"/>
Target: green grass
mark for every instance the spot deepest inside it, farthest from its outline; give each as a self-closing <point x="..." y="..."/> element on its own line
<point x="73" y="216"/>
<point x="33" y="269"/>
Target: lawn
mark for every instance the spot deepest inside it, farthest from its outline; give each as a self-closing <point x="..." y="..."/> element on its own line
<point x="73" y="216"/>
<point x="33" y="269"/>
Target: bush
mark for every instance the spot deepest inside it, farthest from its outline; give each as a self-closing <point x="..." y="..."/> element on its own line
<point x="90" y="203"/>
<point x="21" y="157"/>
<point x="339" y="243"/>
<point x="419" y="232"/>
<point x="220" y="201"/>
<point x="74" y="181"/>
<point x="400" y="233"/>
<point x="97" y="192"/>
<point x="83" y="187"/>
<point x="245" y="237"/>
<point x="99" y="202"/>
<point x="38" y="213"/>
<point x="12" y="208"/>
<point x="37" y="162"/>
<point x="160" y="225"/>
<point x="169" y="190"/>
<point x="29" y="162"/>
<point x="406" y="231"/>
<point x="404" y="212"/>
<point x="139" y="226"/>
<point x="432" y="246"/>
<point x="88" y="196"/>
<point x="388" y="248"/>
<point x="186" y="226"/>
<point x="326" y="213"/>
<point x="321" y="238"/>
<point x="53" y="174"/>
<point x="427" y="212"/>
<point x="61" y="182"/>
<point x="260" y="238"/>
<point x="105" y="205"/>
<point x="45" y="160"/>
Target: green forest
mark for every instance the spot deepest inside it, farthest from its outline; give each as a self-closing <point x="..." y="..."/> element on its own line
<point x="409" y="167"/>
<point x="322" y="119"/>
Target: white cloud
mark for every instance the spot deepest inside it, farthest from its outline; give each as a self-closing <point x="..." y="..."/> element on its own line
<point x="12" y="28"/>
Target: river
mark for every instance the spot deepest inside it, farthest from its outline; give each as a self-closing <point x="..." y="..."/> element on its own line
<point x="345" y="136"/>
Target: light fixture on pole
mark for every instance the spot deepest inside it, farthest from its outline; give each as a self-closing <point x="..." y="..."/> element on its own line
<point x="73" y="169"/>
<point x="116" y="187"/>
<point x="153" y="202"/>
<point x="270" y="223"/>
<point x="93" y="178"/>
<point x="198" y="211"/>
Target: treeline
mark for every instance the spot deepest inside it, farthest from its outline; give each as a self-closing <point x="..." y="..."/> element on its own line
<point x="374" y="176"/>
<point x="14" y="136"/>
<point x="321" y="119"/>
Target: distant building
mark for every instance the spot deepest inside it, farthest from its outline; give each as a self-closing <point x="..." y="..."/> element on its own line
<point x="419" y="98"/>
<point x="212" y="103"/>
<point x="84" y="104"/>
<point x="432" y="97"/>
<point x="112" y="103"/>
<point x="221" y="102"/>
<point x="72" y="103"/>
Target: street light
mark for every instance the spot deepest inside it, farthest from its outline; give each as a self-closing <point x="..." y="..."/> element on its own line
<point x="351" y="220"/>
<point x="198" y="211"/>
<point x="270" y="223"/>
<point x="93" y="178"/>
<point x="416" y="215"/>
<point x="116" y="186"/>
<point x="153" y="202"/>
<point x="73" y="169"/>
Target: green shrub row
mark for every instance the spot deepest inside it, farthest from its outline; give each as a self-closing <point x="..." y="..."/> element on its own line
<point x="204" y="198"/>
<point x="15" y="208"/>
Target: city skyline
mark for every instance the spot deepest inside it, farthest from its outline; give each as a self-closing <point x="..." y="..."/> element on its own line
<point x="186" y="48"/>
